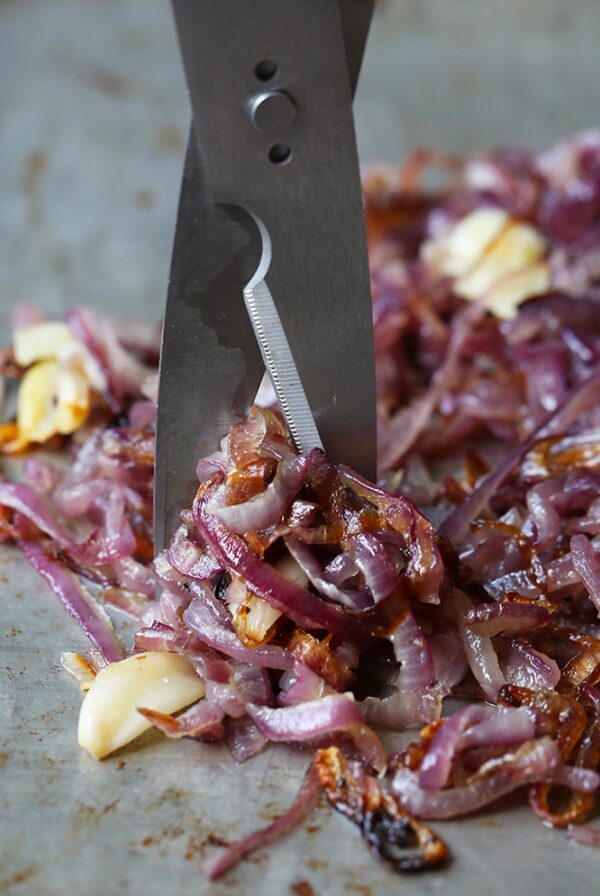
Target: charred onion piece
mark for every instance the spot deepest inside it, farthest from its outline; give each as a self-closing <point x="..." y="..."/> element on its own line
<point x="391" y="834"/>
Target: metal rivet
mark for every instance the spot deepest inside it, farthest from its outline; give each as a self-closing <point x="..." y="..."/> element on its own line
<point x="273" y="112"/>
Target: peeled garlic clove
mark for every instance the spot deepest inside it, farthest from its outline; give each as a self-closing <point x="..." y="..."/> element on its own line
<point x="518" y="247"/>
<point x="505" y="297"/>
<point x="72" y="398"/>
<point x="40" y="341"/>
<point x="164" y="682"/>
<point x="36" y="408"/>
<point x="459" y="250"/>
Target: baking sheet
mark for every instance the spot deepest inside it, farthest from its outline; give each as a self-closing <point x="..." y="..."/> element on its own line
<point x="92" y="120"/>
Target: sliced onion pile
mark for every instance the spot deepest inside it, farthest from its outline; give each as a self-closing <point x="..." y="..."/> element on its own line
<point x="320" y="608"/>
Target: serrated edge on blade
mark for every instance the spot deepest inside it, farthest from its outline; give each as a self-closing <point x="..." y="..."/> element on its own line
<point x="279" y="362"/>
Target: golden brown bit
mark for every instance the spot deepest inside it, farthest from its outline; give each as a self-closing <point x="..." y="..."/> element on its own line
<point x="584" y="668"/>
<point x="475" y="468"/>
<point x="246" y="441"/>
<point x="557" y="715"/>
<point x="10" y="440"/>
<point x="536" y="571"/>
<point x="317" y="656"/>
<point x="257" y="543"/>
<point x="302" y="888"/>
<point x="255" y="622"/>
<point x="451" y="491"/>
<point x="553" y="458"/>
<point x="390" y="612"/>
<point x="251" y="480"/>
<point x="580" y="805"/>
<point x="564" y="719"/>
<point x="412" y="756"/>
<point x="144" y="548"/>
<point x="391" y="834"/>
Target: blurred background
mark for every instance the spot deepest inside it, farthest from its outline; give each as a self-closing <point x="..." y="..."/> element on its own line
<point x="93" y="115"/>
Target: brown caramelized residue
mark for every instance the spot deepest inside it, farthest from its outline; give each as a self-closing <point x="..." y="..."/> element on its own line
<point x="302" y="888"/>
<point x="318" y="656"/>
<point x="392" y="835"/>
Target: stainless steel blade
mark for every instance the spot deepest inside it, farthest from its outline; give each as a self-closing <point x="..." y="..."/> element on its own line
<point x="210" y="365"/>
<point x="311" y="207"/>
<point x="356" y="19"/>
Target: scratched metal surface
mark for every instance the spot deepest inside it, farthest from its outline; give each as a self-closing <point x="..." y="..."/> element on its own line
<point x="92" y="119"/>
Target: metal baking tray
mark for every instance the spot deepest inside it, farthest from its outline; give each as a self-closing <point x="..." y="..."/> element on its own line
<point x="93" y="115"/>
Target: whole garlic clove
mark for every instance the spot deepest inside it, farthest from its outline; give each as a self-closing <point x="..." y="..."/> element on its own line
<point x="36" y="408"/>
<point x="455" y="253"/>
<point x="40" y="341"/>
<point x="164" y="682"/>
<point x="494" y="256"/>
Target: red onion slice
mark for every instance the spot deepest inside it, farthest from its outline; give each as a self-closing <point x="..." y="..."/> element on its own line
<point x="333" y="714"/>
<point x="303" y="686"/>
<point x="302" y="805"/>
<point x="534" y="762"/>
<point x="267" y="508"/>
<point x="417" y="698"/>
<point x="425" y="569"/>
<point x="372" y="559"/>
<point x="200" y="618"/>
<point x="304" y="608"/>
<point x="243" y="738"/>
<point x="479" y="650"/>
<point x="201" y="720"/>
<point x="134" y="576"/>
<point x="189" y="559"/>
<point x="471" y="727"/>
<point x="77" y="601"/>
<point x="404" y="709"/>
<point x="213" y="463"/>
<point x="162" y="637"/>
<point x="401" y="432"/>
<point x="500" y="725"/>
<point x="340" y="569"/>
<point x="412" y="651"/>
<point x="117" y="541"/>
<point x="346" y="597"/>
<point x="437" y="763"/>
<point x="526" y="667"/>
<point x="455" y="526"/>
<point x="125" y="373"/>
<point x="449" y="660"/>
<point x="587" y="566"/>
<point x="506" y="618"/>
